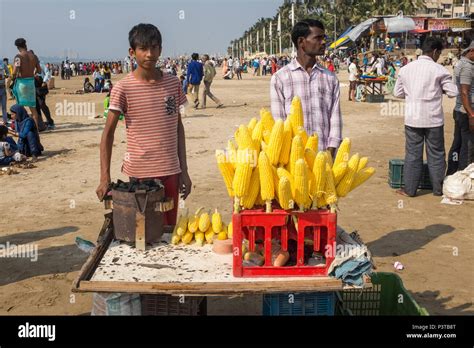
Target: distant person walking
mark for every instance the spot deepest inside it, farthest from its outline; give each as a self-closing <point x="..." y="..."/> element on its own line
<point x="422" y="83"/>
<point x="194" y="76"/>
<point x="209" y="74"/>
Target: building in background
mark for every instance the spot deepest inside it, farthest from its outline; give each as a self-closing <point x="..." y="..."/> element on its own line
<point x="447" y="8"/>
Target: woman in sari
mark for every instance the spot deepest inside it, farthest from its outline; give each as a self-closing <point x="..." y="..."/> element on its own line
<point x="28" y="138"/>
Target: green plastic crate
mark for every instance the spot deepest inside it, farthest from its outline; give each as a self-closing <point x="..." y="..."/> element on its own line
<point x="375" y="98"/>
<point x="395" y="175"/>
<point x="387" y="296"/>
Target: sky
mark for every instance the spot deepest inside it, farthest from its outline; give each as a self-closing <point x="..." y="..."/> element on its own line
<point x="98" y="29"/>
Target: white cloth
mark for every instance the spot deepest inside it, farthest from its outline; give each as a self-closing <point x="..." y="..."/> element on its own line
<point x="353" y="72"/>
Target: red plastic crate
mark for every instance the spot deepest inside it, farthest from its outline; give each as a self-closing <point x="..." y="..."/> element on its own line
<point x="319" y="225"/>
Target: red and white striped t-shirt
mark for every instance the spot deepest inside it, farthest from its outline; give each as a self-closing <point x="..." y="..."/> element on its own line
<point x="151" y="117"/>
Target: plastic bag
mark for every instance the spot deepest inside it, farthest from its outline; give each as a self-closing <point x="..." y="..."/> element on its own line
<point x="116" y="304"/>
<point x="460" y="185"/>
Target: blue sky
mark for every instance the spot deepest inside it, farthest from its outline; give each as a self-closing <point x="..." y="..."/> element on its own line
<point x="100" y="28"/>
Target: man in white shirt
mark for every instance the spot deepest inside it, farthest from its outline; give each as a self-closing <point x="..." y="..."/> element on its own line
<point x="353" y="74"/>
<point x="230" y="66"/>
<point x="422" y="83"/>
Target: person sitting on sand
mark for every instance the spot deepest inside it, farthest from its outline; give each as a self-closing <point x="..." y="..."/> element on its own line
<point x="88" y="88"/>
<point x="25" y="127"/>
<point x="98" y="80"/>
<point x="8" y="149"/>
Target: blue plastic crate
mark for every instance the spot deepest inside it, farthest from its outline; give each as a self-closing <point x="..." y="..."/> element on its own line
<point x="315" y="303"/>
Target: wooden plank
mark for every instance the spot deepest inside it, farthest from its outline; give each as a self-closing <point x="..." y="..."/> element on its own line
<point x="140" y="231"/>
<point x="310" y="285"/>
<point x="103" y="241"/>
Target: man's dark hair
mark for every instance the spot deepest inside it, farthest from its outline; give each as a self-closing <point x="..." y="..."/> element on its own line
<point x="195" y="56"/>
<point x="206" y="56"/>
<point x="302" y="29"/>
<point x="3" y="131"/>
<point x="431" y="44"/>
<point x="5" y="60"/>
<point x="145" y="35"/>
<point x="20" y="43"/>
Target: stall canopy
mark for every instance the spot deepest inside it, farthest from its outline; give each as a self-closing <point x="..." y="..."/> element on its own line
<point x="341" y="40"/>
<point x="355" y="33"/>
<point x="399" y="24"/>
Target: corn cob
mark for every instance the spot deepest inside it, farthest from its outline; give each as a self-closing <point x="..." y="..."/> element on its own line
<point x="275" y="143"/>
<point x="339" y="172"/>
<point x="266" y="136"/>
<point x="199" y="237"/>
<point x="230" y="231"/>
<point x="257" y="133"/>
<point x="267" y="119"/>
<point x="227" y="171"/>
<point x="175" y="238"/>
<point x="242" y="177"/>
<point x="304" y="136"/>
<point x="362" y="177"/>
<point x="343" y="152"/>
<point x="297" y="152"/>
<point x="296" y="114"/>
<point x="244" y="139"/>
<point x="362" y="163"/>
<point x="312" y="143"/>
<point x="346" y="182"/>
<point x="248" y="200"/>
<point x="321" y="202"/>
<point x="286" y="143"/>
<point x="204" y="222"/>
<point x="312" y="184"/>
<point x="329" y="158"/>
<point x="330" y="195"/>
<point x="309" y="156"/>
<point x="284" y="194"/>
<point x="231" y="152"/>
<point x="222" y="235"/>
<point x="187" y="238"/>
<point x="193" y="222"/>
<point x="301" y="184"/>
<point x="251" y="124"/>
<point x="319" y="171"/>
<point x="216" y="221"/>
<point x="209" y="236"/>
<point x="182" y="223"/>
<point x="267" y="185"/>
<point x="282" y="172"/>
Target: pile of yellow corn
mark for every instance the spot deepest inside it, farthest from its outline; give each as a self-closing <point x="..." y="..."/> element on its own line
<point x="200" y="227"/>
<point x="278" y="161"/>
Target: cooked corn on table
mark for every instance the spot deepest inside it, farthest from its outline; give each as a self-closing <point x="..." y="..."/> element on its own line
<point x="179" y="270"/>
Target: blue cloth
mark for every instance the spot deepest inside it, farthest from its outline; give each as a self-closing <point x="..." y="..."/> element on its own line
<point x="12" y="143"/>
<point x="24" y="91"/>
<point x="195" y="72"/>
<point x="28" y="139"/>
<point x="352" y="271"/>
<point x="5" y="161"/>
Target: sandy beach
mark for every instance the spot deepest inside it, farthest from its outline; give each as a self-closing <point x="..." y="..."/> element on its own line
<point x="52" y="204"/>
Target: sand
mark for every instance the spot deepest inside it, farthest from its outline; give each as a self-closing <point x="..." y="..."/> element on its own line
<point x="53" y="203"/>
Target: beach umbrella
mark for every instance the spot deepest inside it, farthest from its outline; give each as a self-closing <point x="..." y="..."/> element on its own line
<point x="342" y="39"/>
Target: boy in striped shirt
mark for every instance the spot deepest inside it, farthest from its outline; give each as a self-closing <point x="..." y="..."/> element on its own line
<point x="151" y="102"/>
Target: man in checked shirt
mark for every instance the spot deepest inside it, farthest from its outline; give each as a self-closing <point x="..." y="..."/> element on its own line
<point x="317" y="87"/>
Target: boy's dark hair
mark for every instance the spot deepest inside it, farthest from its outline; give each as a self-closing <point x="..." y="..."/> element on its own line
<point x="3" y="131"/>
<point x="20" y="43"/>
<point x="302" y="29"/>
<point x="5" y="60"/>
<point x="431" y="44"/>
<point x="145" y="35"/>
<point x="195" y="56"/>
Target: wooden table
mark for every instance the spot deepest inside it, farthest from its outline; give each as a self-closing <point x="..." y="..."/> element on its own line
<point x="373" y="86"/>
<point x="185" y="270"/>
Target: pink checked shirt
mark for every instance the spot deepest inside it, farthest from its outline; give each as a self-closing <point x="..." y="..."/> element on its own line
<point x="422" y="84"/>
<point x="320" y="95"/>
